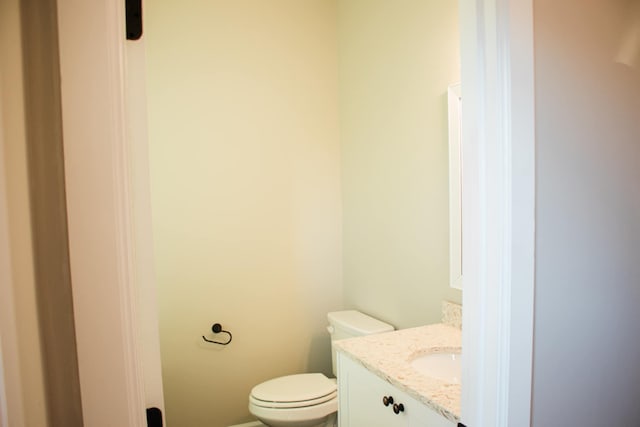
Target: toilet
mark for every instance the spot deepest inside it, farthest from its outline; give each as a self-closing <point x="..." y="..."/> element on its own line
<point x="310" y="400"/>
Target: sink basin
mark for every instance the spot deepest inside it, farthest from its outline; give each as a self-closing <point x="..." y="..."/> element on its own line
<point x="442" y="366"/>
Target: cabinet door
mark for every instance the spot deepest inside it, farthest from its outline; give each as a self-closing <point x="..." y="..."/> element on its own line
<point x="423" y="416"/>
<point x="361" y="398"/>
<point x="361" y="394"/>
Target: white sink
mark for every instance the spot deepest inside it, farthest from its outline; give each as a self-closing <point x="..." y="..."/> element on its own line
<point x="442" y="366"/>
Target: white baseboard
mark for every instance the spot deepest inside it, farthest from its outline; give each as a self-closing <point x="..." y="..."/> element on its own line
<point x="251" y="424"/>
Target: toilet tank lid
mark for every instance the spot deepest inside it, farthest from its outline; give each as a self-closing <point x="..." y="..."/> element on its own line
<point x="358" y="323"/>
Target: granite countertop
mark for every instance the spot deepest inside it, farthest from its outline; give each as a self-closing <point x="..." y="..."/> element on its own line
<point x="388" y="355"/>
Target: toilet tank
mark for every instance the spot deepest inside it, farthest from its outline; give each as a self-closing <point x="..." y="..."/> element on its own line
<point x="352" y="323"/>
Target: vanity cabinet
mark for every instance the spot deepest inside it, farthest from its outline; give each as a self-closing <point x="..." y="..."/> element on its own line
<point x="367" y="400"/>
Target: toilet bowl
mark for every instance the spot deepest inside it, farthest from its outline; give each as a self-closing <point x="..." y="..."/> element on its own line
<point x="310" y="400"/>
<point x="303" y="400"/>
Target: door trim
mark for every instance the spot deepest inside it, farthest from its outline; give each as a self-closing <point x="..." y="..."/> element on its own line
<point x="11" y="404"/>
<point x="499" y="211"/>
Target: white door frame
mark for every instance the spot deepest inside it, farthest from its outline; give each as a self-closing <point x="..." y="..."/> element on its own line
<point x="100" y="211"/>
<point x="499" y="211"/>
<point x="497" y="81"/>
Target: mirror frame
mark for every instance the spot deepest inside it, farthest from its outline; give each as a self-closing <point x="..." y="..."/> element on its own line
<point x="455" y="187"/>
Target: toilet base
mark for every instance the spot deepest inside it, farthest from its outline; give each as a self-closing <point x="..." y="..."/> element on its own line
<point x="331" y="421"/>
<point x="251" y="424"/>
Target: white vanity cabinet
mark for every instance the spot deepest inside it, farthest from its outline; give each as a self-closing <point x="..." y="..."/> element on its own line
<point x="361" y="394"/>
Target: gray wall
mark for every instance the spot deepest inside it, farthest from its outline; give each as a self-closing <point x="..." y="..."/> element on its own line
<point x="587" y="322"/>
<point x="396" y="60"/>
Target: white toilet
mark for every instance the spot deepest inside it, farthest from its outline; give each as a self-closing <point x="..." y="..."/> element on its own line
<point x="310" y="400"/>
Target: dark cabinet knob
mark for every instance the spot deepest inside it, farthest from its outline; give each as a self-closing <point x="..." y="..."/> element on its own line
<point x="387" y="400"/>
<point x="397" y="408"/>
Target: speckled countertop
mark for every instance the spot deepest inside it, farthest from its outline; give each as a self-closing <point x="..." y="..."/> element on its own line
<point x="388" y="356"/>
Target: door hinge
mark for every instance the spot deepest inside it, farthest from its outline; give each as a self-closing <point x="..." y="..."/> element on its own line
<point x="154" y="417"/>
<point x="133" y="12"/>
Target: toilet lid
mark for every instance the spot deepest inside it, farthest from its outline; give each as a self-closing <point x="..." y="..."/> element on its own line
<point x="303" y="389"/>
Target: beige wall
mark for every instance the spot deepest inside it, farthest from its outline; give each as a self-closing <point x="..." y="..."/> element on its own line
<point x="587" y="213"/>
<point x="396" y="61"/>
<point x="244" y="155"/>
<point x="21" y="352"/>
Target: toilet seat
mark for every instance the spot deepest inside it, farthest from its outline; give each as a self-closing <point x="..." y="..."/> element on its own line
<point x="296" y="404"/>
<point x="294" y="391"/>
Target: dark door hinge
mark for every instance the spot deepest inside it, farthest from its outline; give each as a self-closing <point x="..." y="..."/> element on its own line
<point x="133" y="12"/>
<point x="154" y="417"/>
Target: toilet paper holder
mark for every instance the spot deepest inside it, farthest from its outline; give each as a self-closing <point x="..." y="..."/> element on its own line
<point x="217" y="329"/>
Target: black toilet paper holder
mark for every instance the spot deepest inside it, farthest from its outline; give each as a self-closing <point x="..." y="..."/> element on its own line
<point x="217" y="329"/>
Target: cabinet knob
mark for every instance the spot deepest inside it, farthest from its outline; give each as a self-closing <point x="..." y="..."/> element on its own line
<point x="397" y="408"/>
<point x="387" y="400"/>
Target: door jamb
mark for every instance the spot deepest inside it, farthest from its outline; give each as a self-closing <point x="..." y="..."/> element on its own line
<point x="100" y="211"/>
